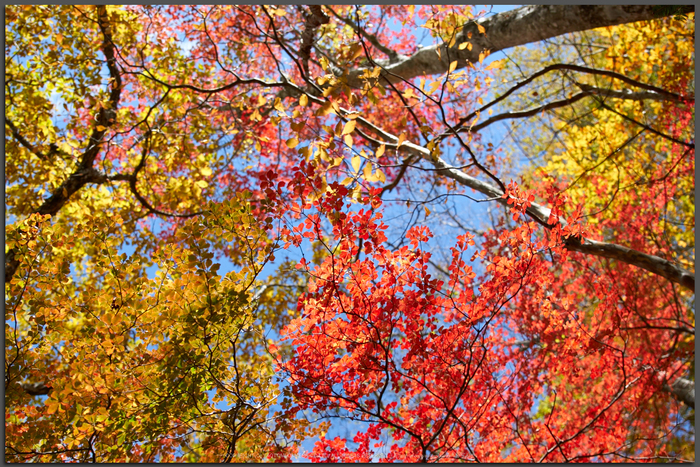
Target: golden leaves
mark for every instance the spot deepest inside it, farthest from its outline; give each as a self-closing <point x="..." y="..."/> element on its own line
<point x="355" y="162"/>
<point x="349" y="127"/>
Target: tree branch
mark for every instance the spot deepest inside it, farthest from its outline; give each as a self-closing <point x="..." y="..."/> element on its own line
<point x="684" y="390"/>
<point x="646" y="127"/>
<point x="655" y="93"/>
<point x="525" y="113"/>
<point x="23" y="141"/>
<point x="630" y="95"/>
<point x="392" y="54"/>
<point x="509" y="29"/>
<point x="314" y="20"/>
<point x="651" y="263"/>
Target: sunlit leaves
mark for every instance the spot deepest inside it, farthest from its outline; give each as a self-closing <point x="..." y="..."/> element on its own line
<point x="153" y="300"/>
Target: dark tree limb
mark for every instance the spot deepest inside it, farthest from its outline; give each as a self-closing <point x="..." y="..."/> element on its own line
<point x="653" y="93"/>
<point x="23" y="141"/>
<point x="651" y="263"/>
<point x="684" y="390"/>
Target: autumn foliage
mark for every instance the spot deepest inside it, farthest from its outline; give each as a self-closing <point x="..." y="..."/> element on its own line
<point x="349" y="234"/>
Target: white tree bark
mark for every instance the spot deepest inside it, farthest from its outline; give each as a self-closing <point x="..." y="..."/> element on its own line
<point x="521" y="26"/>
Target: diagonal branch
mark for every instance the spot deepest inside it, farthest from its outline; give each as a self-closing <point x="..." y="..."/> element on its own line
<point x="23" y="141"/>
<point x="646" y="127"/>
<point x="651" y="263"/>
<point x="629" y="95"/>
<point x="509" y="29"/>
<point x="653" y="92"/>
<point x="525" y="113"/>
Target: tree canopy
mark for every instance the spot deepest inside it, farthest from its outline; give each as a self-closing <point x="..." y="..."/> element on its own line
<point x="349" y="233"/>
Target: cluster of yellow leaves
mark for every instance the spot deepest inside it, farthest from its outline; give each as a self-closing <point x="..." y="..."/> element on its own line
<point x="594" y="158"/>
<point x="150" y="364"/>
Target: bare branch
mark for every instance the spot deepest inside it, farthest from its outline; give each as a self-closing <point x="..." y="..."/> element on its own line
<point x="630" y="95"/>
<point x="655" y="93"/>
<point x="525" y="113"/>
<point x="23" y="141"/>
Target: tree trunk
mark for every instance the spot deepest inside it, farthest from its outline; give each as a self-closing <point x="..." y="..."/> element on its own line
<point x="684" y="390"/>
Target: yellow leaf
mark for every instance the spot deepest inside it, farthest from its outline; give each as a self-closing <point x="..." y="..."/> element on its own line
<point x="427" y="211"/>
<point x="356" y="161"/>
<point x="325" y="109"/>
<point x="495" y="64"/>
<point x="324" y="155"/>
<point x="380" y="151"/>
<point x="51" y="406"/>
<point x="348" y="140"/>
<point x="402" y="138"/>
<point x="481" y="57"/>
<point x="367" y="173"/>
<point x="355" y="51"/>
<point x="292" y="142"/>
<point x="481" y="29"/>
<point x="202" y="184"/>
<point x="433" y="86"/>
<point x="303" y="100"/>
<point x="380" y="176"/>
<point x="100" y="128"/>
<point x="206" y="171"/>
<point x="349" y="127"/>
<point x="324" y="63"/>
<point x="453" y="66"/>
<point x="347" y="181"/>
<point x="463" y="45"/>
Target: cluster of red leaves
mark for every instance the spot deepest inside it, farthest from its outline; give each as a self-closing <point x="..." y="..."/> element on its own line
<point x="458" y="371"/>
